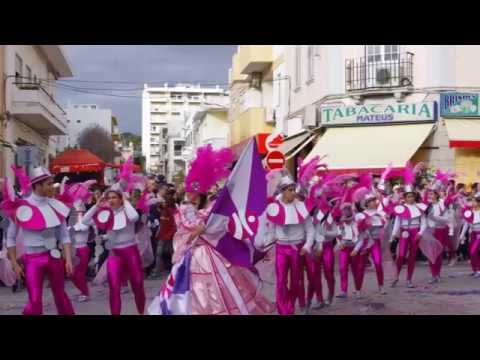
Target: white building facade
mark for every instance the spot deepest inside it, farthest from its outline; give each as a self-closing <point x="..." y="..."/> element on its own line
<point x="209" y="125"/>
<point x="32" y="113"/>
<point x="165" y="111"/>
<point x="380" y="103"/>
<point x="81" y="117"/>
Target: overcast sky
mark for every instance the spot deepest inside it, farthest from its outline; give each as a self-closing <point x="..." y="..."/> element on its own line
<point x="107" y="65"/>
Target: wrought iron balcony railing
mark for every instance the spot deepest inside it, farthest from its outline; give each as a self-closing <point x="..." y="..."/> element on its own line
<point x="366" y="73"/>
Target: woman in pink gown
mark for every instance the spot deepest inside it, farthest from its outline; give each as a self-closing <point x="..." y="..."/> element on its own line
<point x="217" y="287"/>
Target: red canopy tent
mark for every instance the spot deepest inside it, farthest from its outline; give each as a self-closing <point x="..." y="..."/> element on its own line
<point x="75" y="161"/>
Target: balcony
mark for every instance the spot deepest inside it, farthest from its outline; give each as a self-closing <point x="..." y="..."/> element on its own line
<point x="377" y="76"/>
<point x="34" y="107"/>
<point x="255" y="58"/>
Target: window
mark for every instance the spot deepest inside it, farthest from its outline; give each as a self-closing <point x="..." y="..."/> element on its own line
<point x="94" y="106"/>
<point x="79" y="121"/>
<point x="68" y="121"/>
<point x="18" y="68"/>
<point x="311" y="63"/>
<point x="164" y="132"/>
<point x="35" y="79"/>
<point x="298" y="67"/>
<point x="28" y="73"/>
<point x="379" y="53"/>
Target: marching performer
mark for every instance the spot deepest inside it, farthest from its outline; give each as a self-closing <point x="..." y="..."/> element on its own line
<point x="410" y="224"/>
<point x="349" y="245"/>
<point x="79" y="194"/>
<point x="292" y="228"/>
<point x="472" y="228"/>
<point x="118" y="217"/>
<point x="371" y="223"/>
<point x="438" y="220"/>
<point x="40" y="221"/>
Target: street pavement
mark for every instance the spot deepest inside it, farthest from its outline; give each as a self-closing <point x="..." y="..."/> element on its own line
<point x="457" y="293"/>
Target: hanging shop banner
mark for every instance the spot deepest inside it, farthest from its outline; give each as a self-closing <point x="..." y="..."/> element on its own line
<point x="379" y="113"/>
<point x="461" y="105"/>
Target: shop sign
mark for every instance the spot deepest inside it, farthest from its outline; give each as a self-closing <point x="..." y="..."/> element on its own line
<point x="462" y="105"/>
<point x="378" y="113"/>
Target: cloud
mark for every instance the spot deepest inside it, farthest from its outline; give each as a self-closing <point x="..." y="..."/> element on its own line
<point x="140" y="64"/>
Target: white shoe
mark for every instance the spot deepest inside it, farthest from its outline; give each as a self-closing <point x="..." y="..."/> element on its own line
<point x="327" y="303"/>
<point x="304" y="311"/>
<point x="410" y="285"/>
<point x="83" y="298"/>
<point x="382" y="291"/>
<point x="357" y="294"/>
<point x="477" y="274"/>
<point x="342" y="295"/>
<point x="318" y="305"/>
<point x="394" y="283"/>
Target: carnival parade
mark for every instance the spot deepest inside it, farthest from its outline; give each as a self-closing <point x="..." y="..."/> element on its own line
<point x="230" y="217"/>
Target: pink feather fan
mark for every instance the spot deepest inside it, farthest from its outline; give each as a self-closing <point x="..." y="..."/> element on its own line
<point x="128" y="177"/>
<point x="208" y="167"/>
<point x="408" y="174"/>
<point x="307" y="171"/>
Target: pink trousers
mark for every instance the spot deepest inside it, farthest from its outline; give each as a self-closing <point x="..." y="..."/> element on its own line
<point x="328" y="264"/>
<point x="357" y="265"/>
<point x="125" y="262"/>
<point x="36" y="267"/>
<point x="376" y="253"/>
<point x="411" y="245"/>
<point x="79" y="276"/>
<point x="473" y="250"/>
<point x="441" y="234"/>
<point x="313" y="267"/>
<point x="288" y="260"/>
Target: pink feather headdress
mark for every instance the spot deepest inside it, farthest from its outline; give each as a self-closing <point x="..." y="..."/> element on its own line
<point x="208" y="167"/>
<point x="127" y="177"/>
<point x="306" y="171"/>
<point x="23" y="180"/>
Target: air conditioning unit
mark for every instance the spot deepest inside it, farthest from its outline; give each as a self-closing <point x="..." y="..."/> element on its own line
<point x="270" y="115"/>
<point x="383" y="77"/>
<point x="311" y="117"/>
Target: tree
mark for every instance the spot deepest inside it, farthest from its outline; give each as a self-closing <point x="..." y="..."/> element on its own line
<point x="98" y="141"/>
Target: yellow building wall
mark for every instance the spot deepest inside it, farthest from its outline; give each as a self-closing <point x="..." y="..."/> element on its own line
<point x="249" y="123"/>
<point x="467" y="164"/>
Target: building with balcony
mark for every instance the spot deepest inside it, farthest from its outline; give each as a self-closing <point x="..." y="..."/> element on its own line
<point x="206" y="126"/>
<point x="165" y="113"/>
<point x="83" y="116"/>
<point x="251" y="113"/>
<point x="32" y="114"/>
<point x="375" y="104"/>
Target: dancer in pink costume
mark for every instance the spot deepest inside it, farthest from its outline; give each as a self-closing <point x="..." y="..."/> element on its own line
<point x="438" y="220"/>
<point x="80" y="233"/>
<point x="326" y="231"/>
<point x="118" y="218"/>
<point x="371" y="224"/>
<point x="216" y="286"/>
<point x="410" y="224"/>
<point x="291" y="226"/>
<point x="41" y="222"/>
<point x="472" y="220"/>
<point x="349" y="245"/>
